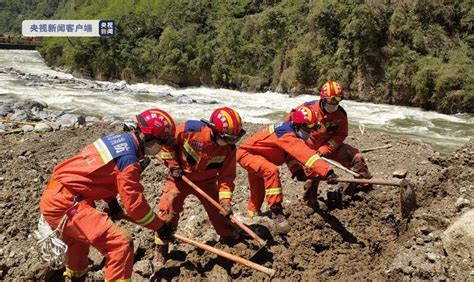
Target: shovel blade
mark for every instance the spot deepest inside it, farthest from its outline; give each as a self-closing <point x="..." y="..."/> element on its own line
<point x="255" y="256"/>
<point x="407" y="199"/>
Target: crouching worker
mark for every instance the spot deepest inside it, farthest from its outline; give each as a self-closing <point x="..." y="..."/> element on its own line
<point x="329" y="138"/>
<point x="204" y="152"/>
<point x="262" y="153"/>
<point x="101" y="171"/>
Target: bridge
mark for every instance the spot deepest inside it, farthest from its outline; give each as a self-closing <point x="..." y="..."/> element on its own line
<point x="19" y="42"/>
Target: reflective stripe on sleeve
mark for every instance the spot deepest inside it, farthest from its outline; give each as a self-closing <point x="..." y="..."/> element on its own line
<point x="191" y="152"/>
<point x="147" y="218"/>
<point x="309" y="163"/>
<point x="104" y="152"/>
<point x="271" y="128"/>
<point x="217" y="159"/>
<point x="167" y="155"/>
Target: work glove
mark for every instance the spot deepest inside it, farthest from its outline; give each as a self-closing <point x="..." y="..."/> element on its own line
<point x="299" y="175"/>
<point x="331" y="178"/>
<point x="144" y="163"/>
<point x="166" y="232"/>
<point x="227" y="205"/>
<point x="114" y="211"/>
<point x="176" y="173"/>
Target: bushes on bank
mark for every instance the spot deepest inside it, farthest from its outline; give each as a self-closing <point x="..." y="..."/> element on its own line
<point x="401" y="52"/>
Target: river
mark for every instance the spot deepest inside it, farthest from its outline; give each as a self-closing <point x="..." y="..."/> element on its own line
<point x="62" y="91"/>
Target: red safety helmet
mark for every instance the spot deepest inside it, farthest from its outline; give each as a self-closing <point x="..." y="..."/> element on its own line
<point x="227" y="123"/>
<point x="332" y="92"/>
<point x="304" y="116"/>
<point x="158" y="124"/>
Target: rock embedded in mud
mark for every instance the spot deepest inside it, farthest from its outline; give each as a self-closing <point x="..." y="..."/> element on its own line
<point x="458" y="241"/>
<point x="432" y="257"/>
<point x="218" y="274"/>
<point x="27" y="128"/>
<point x="143" y="268"/>
<point x="461" y="203"/>
<point x="400" y="173"/>
<point x="43" y="127"/>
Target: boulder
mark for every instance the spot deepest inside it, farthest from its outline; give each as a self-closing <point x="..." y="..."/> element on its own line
<point x="71" y="120"/>
<point x="90" y="119"/>
<point x="42" y="127"/>
<point x="6" y="126"/>
<point x="458" y="241"/>
<point x="20" y="115"/>
<point x="5" y="110"/>
<point x="30" y="104"/>
<point x="185" y="99"/>
<point x="28" y="128"/>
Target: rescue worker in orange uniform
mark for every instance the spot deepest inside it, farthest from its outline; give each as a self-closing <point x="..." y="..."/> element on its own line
<point x="262" y="153"/>
<point x="101" y="171"/>
<point x="328" y="138"/>
<point x="204" y="152"/>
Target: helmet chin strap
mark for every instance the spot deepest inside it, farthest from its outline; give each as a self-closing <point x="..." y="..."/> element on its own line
<point x="141" y="142"/>
<point x="300" y="133"/>
<point x="325" y="107"/>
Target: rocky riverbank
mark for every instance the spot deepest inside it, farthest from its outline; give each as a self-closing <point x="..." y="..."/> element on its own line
<point x="364" y="237"/>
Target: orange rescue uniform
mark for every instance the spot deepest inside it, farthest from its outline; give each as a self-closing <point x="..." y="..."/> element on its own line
<point x="261" y="155"/>
<point x="101" y="171"/>
<point x="210" y="166"/>
<point x="329" y="139"/>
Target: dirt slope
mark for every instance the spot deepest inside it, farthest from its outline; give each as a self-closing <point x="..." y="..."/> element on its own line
<point x="363" y="238"/>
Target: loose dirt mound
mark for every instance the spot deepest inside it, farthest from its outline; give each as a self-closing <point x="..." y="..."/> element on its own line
<point x="362" y="238"/>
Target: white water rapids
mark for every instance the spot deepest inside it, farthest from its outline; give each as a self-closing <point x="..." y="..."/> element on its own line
<point x="444" y="133"/>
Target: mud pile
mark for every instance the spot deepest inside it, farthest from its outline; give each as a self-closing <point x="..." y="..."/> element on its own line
<point x="364" y="237"/>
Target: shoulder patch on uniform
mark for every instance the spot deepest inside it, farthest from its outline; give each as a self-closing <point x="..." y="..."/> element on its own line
<point x="120" y="147"/>
<point x="193" y="126"/>
<point x="123" y="161"/>
<point x="310" y="103"/>
<point x="282" y="128"/>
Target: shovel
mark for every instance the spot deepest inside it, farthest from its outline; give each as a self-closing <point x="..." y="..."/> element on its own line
<point x="216" y="251"/>
<point x="407" y="194"/>
<point x="232" y="218"/>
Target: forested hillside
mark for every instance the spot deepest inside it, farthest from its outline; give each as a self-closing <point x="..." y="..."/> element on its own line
<point x="399" y="52"/>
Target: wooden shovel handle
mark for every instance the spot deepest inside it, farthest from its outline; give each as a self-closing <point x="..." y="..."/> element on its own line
<point x="371" y="181"/>
<point x="216" y="251"/>
<point x="221" y="209"/>
<point x="340" y="166"/>
<point x="226" y="255"/>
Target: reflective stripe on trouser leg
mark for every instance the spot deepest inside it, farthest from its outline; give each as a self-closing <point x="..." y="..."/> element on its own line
<point x="274" y="196"/>
<point x="262" y="174"/>
<point x="69" y="273"/>
<point x="97" y="228"/>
